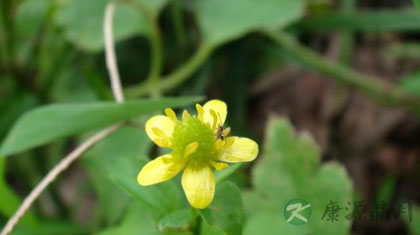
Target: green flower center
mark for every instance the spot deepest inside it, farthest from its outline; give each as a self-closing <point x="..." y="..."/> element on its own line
<point x="189" y="130"/>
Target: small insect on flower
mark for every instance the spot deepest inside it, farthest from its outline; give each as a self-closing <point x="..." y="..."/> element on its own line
<point x="198" y="142"/>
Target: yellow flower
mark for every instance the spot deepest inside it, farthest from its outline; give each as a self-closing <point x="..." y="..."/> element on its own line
<point x="197" y="143"/>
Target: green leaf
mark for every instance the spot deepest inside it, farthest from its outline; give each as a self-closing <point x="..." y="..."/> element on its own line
<point x="30" y="16"/>
<point x="224" y="174"/>
<point x="290" y="168"/>
<point x="225" y="212"/>
<point x="397" y="20"/>
<point x="9" y="201"/>
<point x="417" y="4"/>
<point x="222" y="21"/>
<point x="51" y="122"/>
<point x="50" y="227"/>
<point x="12" y="109"/>
<point x="140" y="221"/>
<point x="126" y="143"/>
<point x="176" y="220"/>
<point x="119" y="157"/>
<point x="271" y="224"/>
<point x="411" y="84"/>
<point x="83" y="21"/>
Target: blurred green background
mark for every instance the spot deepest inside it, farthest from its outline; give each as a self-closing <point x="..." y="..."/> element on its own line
<point x="330" y="89"/>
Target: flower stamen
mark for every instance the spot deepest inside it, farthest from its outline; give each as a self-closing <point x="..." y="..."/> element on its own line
<point x="190" y="149"/>
<point x="185" y="114"/>
<point x="200" y="112"/>
<point x="215" y="119"/>
<point x="171" y="114"/>
<point x="219" y="165"/>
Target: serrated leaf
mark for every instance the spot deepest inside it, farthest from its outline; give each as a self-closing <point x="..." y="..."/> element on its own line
<point x="290" y="168"/>
<point x="222" y="21"/>
<point x="225" y="212"/>
<point x="55" y="121"/>
<point x="83" y="21"/>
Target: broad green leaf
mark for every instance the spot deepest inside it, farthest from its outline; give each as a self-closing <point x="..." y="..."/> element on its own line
<point x="225" y="212"/>
<point x="11" y="110"/>
<point x="397" y="20"/>
<point x="119" y="158"/>
<point x="83" y="21"/>
<point x="411" y="83"/>
<point x="290" y="168"/>
<point x="222" y="21"/>
<point x="51" y="122"/>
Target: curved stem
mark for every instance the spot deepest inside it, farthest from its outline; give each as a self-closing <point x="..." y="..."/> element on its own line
<point x="157" y="58"/>
<point x="111" y="60"/>
<point x="178" y="24"/>
<point x="155" y="39"/>
<point x="380" y="90"/>
<point x="177" y="77"/>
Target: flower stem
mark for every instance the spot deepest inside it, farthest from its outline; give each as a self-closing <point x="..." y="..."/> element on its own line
<point x="177" y="77"/>
<point x="379" y="90"/>
<point x="157" y="57"/>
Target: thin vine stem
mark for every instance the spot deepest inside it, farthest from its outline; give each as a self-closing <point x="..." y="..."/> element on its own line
<point x="376" y="88"/>
<point x="176" y="78"/>
<point x="111" y="58"/>
<point x="155" y="40"/>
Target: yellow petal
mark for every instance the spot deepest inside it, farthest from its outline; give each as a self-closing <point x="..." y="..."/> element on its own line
<point x="219" y="107"/>
<point x="199" y="185"/>
<point x="160" y="169"/>
<point x="240" y="150"/>
<point x="219" y="165"/>
<point x="159" y="129"/>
